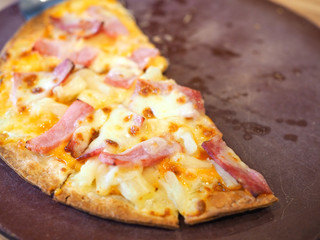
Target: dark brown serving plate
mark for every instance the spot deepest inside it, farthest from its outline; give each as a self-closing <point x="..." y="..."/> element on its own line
<point x="258" y="67"/>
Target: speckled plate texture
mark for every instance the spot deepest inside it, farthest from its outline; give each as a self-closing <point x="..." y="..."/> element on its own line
<point x="258" y="68"/>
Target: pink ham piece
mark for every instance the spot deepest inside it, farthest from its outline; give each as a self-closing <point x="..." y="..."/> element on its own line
<point x="49" y="47"/>
<point x="62" y="71"/>
<point x="142" y="56"/>
<point x="91" y="154"/>
<point x="76" y="26"/>
<point x="62" y="130"/>
<point x="147" y="153"/>
<point x="250" y="179"/>
<point x="116" y="79"/>
<point x="112" y="26"/>
<point x="84" y="57"/>
<point x="194" y="96"/>
<point x="62" y="50"/>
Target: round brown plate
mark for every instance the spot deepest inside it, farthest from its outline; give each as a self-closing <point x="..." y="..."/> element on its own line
<point x="258" y="67"/>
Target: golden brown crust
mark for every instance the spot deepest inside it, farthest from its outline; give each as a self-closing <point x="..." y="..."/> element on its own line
<point x="221" y="204"/>
<point x="113" y="207"/>
<point x="45" y="172"/>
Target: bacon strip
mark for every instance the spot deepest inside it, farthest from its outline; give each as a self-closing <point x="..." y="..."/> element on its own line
<point x="142" y="56"/>
<point x="76" y="26"/>
<point x="63" y="70"/>
<point x="62" y="50"/>
<point x="147" y="153"/>
<point x="62" y="130"/>
<point x="194" y="96"/>
<point x="250" y="179"/>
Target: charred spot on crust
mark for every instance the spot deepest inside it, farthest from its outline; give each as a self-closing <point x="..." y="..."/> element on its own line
<point x="94" y="135"/>
<point x="22" y="109"/>
<point x="128" y="118"/>
<point x="173" y="127"/>
<point x="134" y="130"/>
<point x="30" y="80"/>
<point x="220" y="187"/>
<point x="209" y="133"/>
<point x="37" y="90"/>
<point x="79" y="136"/>
<point x="63" y="169"/>
<point x="143" y="139"/>
<point x="182" y="100"/>
<point x="106" y="110"/>
<point x="5" y="56"/>
<point x="112" y="143"/>
<point x="52" y="67"/>
<point x="201" y="206"/>
<point x="3" y="137"/>
<point x="25" y="53"/>
<point x="90" y="118"/>
<point x="147" y="113"/>
<point x="146" y="89"/>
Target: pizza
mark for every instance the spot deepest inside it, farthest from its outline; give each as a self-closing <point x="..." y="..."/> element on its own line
<point x="88" y="116"/>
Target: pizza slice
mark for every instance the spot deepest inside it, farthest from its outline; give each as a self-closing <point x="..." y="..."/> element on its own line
<point x="89" y="116"/>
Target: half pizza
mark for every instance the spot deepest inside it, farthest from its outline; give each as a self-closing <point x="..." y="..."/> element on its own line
<point x="88" y="116"/>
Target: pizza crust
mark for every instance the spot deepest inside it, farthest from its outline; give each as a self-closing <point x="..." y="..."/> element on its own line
<point x="220" y="204"/>
<point x="43" y="171"/>
<point x="113" y="207"/>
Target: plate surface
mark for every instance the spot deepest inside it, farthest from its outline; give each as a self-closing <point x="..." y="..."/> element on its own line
<point x="257" y="66"/>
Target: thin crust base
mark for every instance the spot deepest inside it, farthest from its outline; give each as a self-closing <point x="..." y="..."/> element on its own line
<point x="45" y="172"/>
<point x="113" y="207"/>
<point x="220" y="204"/>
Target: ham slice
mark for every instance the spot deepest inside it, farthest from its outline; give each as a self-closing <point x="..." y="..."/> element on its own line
<point x="85" y="56"/>
<point x="76" y="26"/>
<point x="112" y="26"/>
<point x="62" y="71"/>
<point x="62" y="130"/>
<point x="142" y="56"/>
<point x="62" y="50"/>
<point x="116" y="79"/>
<point x="194" y="96"/>
<point x="222" y="155"/>
<point x="147" y="153"/>
<point x="91" y="154"/>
